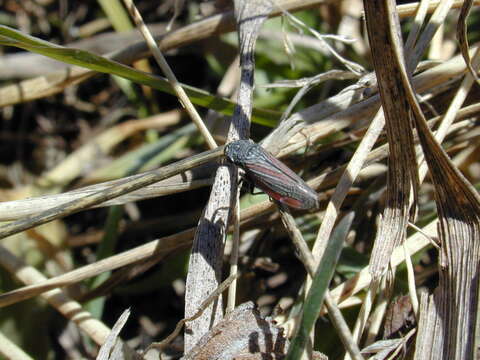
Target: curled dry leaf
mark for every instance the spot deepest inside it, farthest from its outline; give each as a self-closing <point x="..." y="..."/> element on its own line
<point x="402" y="170"/>
<point x="462" y="36"/>
<point x="399" y="316"/>
<point x="243" y="334"/>
<point x="458" y="206"/>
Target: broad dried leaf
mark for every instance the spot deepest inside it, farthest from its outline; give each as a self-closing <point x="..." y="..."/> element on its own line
<point x="244" y="335"/>
<point x="458" y="205"/>
<point x="206" y="260"/>
<point x="429" y="332"/>
<point x="242" y="332"/>
<point x="382" y="348"/>
<point x="402" y="170"/>
<point x="462" y="35"/>
<point x="399" y="316"/>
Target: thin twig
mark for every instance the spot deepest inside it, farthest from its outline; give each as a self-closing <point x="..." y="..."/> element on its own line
<point x="428" y="237"/>
<point x="363" y="315"/>
<point x="57" y="298"/>
<point x="300" y="245"/>
<point x="146" y="251"/>
<point x="137" y="17"/>
<point x="412" y="291"/>
<point x="309" y="261"/>
<point x="220" y="289"/>
<point x="232" y="290"/>
<point x="349" y="175"/>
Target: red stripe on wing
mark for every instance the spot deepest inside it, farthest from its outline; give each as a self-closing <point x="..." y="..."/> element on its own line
<point x="294" y="203"/>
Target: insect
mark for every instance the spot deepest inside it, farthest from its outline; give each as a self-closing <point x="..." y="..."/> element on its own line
<point x="270" y="175"/>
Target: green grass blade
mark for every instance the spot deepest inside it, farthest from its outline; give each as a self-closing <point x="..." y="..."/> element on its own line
<point x="321" y="280"/>
<point x="117" y="14"/>
<point x="12" y="37"/>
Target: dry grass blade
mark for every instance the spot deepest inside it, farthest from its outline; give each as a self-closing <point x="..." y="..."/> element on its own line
<point x="10" y="350"/>
<point x="311" y="266"/>
<point x="124" y="187"/>
<point x="70" y="156"/>
<point x="412" y="291"/>
<point x="73" y="165"/>
<point x="232" y="290"/>
<point x="205" y="262"/>
<point x="402" y="171"/>
<point x="12" y="210"/>
<point x="348" y="107"/>
<point x="458" y="205"/>
<point x="188" y="180"/>
<point x="112" y="348"/>
<point x="172" y="243"/>
<point x="346" y="181"/>
<point x="378" y="315"/>
<point x="155" y="50"/>
<point x="406" y="10"/>
<point x="459" y="212"/>
<point x="462" y="35"/>
<point x="56" y="82"/>
<point x="57" y="298"/>
<point x="350" y="65"/>
<point x="152" y="249"/>
<point x="363" y="279"/>
<point x="212" y="297"/>
<point x="429" y="333"/>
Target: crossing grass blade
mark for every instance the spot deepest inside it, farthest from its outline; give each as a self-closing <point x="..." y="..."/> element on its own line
<point x="12" y="37"/>
<point x="323" y="276"/>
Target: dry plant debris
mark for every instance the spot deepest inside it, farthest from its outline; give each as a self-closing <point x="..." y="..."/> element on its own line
<point x="116" y="195"/>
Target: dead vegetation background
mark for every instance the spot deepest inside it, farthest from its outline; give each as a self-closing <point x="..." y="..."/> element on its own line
<point x="345" y="94"/>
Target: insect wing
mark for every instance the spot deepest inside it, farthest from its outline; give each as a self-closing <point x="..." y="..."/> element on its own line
<point x="278" y="180"/>
<point x="294" y="203"/>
